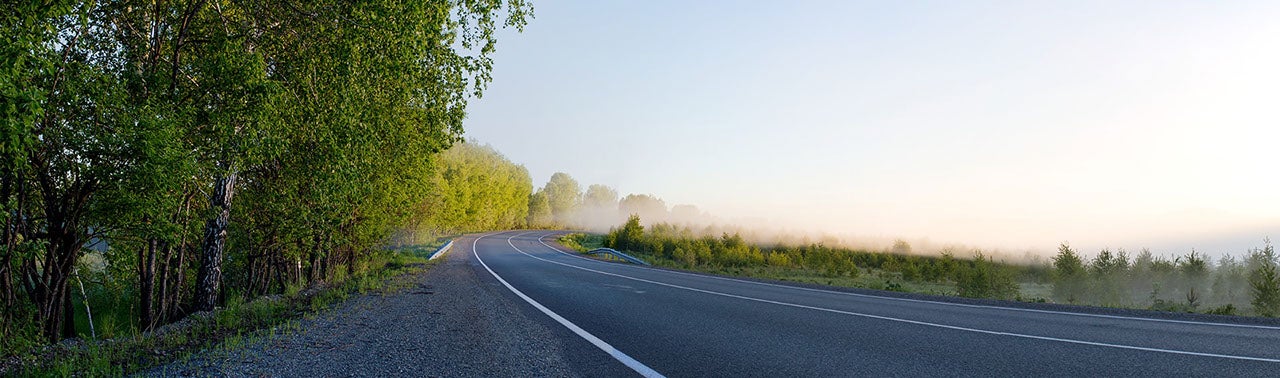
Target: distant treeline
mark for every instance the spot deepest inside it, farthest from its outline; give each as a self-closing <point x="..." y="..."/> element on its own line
<point x="562" y="203"/>
<point x="210" y="149"/>
<point x="1190" y="282"/>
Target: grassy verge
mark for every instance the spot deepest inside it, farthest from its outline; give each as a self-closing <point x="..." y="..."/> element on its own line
<point x="866" y="278"/>
<point x="226" y="328"/>
<point x="582" y="242"/>
<point x="426" y="249"/>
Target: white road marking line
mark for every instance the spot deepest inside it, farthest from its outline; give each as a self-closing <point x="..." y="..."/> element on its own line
<point x="917" y="322"/>
<point x="613" y="352"/>
<point x="1121" y="317"/>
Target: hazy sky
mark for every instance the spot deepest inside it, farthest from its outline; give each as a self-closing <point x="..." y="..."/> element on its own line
<point x="1011" y="124"/>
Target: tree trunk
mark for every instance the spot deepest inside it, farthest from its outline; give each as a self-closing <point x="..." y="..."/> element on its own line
<point x="146" y="284"/>
<point x="178" y="258"/>
<point x="279" y="267"/>
<point x="68" y="312"/>
<point x="50" y="290"/>
<point x="313" y="269"/>
<point x="162" y="294"/>
<point x="179" y="280"/>
<point x="209" y="277"/>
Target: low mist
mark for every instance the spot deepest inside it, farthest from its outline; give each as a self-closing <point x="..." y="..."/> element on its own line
<point x="600" y="208"/>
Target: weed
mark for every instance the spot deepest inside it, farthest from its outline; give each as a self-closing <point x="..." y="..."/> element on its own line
<point x="1227" y="309"/>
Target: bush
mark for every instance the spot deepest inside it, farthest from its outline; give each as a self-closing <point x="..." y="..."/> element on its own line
<point x="983" y="278"/>
<point x="1069" y="275"/>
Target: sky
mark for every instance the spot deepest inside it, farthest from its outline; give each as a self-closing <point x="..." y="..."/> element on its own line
<point x="1004" y="124"/>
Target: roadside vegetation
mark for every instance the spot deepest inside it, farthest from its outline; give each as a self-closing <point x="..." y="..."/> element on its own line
<point x="241" y="320"/>
<point x="170" y="161"/>
<point x="1187" y="283"/>
<point x="228" y="165"/>
<point x="582" y="242"/>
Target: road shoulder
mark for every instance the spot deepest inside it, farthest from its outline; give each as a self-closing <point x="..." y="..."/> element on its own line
<point x="449" y="322"/>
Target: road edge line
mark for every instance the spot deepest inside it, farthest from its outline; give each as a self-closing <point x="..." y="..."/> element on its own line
<point x="908" y="321"/>
<point x="637" y="366"/>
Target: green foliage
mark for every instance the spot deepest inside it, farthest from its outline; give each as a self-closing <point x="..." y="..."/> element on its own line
<point x="475" y="189"/>
<point x="564" y="195"/>
<point x="900" y="247"/>
<point x="1107" y="279"/>
<point x="540" y="211"/>
<point x="630" y="237"/>
<point x="226" y="328"/>
<point x="1107" y="270"/>
<point x="983" y="278"/>
<point x="1264" y="281"/>
<point x="1069" y="275"/>
<point x="600" y="196"/>
<point x="582" y="242"/>
<point x="731" y="253"/>
<point x="1186" y="283"/>
<point x="118" y="119"/>
<point x="1227" y="309"/>
<point x="1170" y="306"/>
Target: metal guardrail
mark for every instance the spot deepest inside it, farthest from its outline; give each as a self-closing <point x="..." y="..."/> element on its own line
<point x="619" y="255"/>
<point x="440" y="252"/>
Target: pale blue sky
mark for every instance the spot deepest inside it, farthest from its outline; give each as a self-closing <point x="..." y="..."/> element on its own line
<point x="1005" y="124"/>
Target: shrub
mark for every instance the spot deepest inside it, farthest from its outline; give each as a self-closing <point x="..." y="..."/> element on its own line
<point x="986" y="279"/>
<point x="1069" y="275"/>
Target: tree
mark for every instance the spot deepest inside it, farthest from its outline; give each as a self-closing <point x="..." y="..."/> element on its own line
<point x="473" y="188"/>
<point x="380" y="92"/>
<point x="688" y="214"/>
<point x="139" y="122"/>
<point x="983" y="278"/>
<point x="563" y="196"/>
<point x="1106" y="269"/>
<point x="540" y="210"/>
<point x="1230" y="281"/>
<point x="644" y="205"/>
<point x="900" y="247"/>
<point x="1194" y="269"/>
<point x="1069" y="275"/>
<point x="629" y="237"/>
<point x="599" y="210"/>
<point x="1264" y="281"/>
<point x="66" y="142"/>
<point x="600" y="196"/>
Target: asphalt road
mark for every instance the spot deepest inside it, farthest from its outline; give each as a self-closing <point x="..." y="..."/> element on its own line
<point x="662" y="322"/>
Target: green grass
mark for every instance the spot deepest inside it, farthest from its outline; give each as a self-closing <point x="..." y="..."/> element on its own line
<point x="238" y="323"/>
<point x="425" y="250"/>
<point x="582" y="242"/>
<point x="866" y="278"/>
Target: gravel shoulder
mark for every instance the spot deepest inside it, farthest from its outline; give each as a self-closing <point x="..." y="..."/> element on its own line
<point x="450" y="321"/>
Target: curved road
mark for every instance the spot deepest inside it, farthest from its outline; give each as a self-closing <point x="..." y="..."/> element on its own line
<point x="660" y="322"/>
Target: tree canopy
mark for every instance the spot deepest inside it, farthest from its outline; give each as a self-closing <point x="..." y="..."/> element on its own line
<point x="285" y="141"/>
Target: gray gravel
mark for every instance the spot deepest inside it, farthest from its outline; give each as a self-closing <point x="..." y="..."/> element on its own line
<point x="451" y="322"/>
